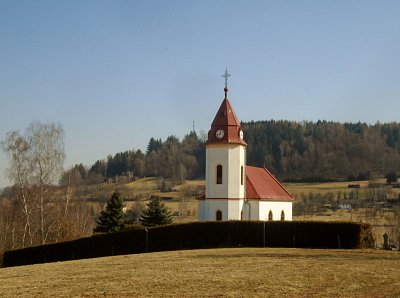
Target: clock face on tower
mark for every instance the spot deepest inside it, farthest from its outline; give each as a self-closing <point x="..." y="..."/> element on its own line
<point x="219" y="134"/>
<point x="241" y="134"/>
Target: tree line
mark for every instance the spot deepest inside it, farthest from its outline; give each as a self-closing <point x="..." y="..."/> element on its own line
<point x="293" y="151"/>
<point x="324" y="150"/>
<point x="172" y="159"/>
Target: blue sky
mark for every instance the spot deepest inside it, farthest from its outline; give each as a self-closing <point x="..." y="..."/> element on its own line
<point x="116" y="73"/>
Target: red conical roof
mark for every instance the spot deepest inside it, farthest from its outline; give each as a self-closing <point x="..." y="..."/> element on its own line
<point x="226" y="120"/>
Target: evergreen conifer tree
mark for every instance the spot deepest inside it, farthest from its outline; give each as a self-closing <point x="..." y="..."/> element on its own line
<point x="112" y="220"/>
<point x="155" y="214"/>
<point x="391" y="177"/>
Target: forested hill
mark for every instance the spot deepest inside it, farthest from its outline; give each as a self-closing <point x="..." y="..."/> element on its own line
<point x="323" y="150"/>
<point x="291" y="150"/>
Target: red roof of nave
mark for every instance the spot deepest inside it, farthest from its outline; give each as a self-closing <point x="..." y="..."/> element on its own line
<point x="261" y="184"/>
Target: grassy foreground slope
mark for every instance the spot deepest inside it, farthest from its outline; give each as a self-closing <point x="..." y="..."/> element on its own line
<point x="244" y="272"/>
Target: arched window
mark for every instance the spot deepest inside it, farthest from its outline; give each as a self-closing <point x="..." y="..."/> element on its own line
<point x="219" y="174"/>
<point x="218" y="215"/>
<point x="241" y="175"/>
<point x="270" y="216"/>
<point x="283" y="215"/>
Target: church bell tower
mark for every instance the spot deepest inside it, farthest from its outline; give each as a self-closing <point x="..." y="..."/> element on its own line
<point x="225" y="166"/>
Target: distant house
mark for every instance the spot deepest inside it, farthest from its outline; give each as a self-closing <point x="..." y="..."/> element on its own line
<point x="395" y="184"/>
<point x="354" y="186"/>
<point x="376" y="185"/>
<point x="346" y="206"/>
<point x="200" y="191"/>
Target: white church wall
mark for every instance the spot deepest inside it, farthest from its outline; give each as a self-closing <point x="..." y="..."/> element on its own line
<point x="232" y="155"/>
<point x="235" y="209"/>
<point x="246" y="210"/>
<point x="254" y="212"/>
<point x="212" y="206"/>
<point x="276" y="208"/>
<point x="236" y="161"/>
<point x="214" y="157"/>
<point x="201" y="210"/>
<point x="231" y="209"/>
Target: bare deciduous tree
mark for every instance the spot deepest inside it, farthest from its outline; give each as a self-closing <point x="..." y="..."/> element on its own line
<point x="74" y="215"/>
<point x="35" y="165"/>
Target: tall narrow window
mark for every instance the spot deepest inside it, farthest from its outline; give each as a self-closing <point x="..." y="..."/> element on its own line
<point x="218" y="215"/>
<point x="270" y="216"/>
<point x="241" y="175"/>
<point x="219" y="174"/>
<point x="283" y="215"/>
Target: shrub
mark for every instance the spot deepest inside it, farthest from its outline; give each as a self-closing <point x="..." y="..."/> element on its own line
<point x="198" y="236"/>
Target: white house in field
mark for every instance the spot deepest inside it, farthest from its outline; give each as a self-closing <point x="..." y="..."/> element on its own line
<point x="235" y="191"/>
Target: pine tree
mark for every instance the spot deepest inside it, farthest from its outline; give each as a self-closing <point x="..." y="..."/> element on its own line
<point x="156" y="214"/>
<point x="391" y="177"/>
<point x="112" y="220"/>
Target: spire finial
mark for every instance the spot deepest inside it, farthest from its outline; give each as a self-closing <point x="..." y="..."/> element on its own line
<point x="226" y="75"/>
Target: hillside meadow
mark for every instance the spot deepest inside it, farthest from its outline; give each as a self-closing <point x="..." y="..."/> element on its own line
<point x="242" y="272"/>
<point x="182" y="198"/>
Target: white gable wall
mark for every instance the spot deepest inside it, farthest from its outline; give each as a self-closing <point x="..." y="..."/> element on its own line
<point x="276" y="207"/>
<point x="252" y="209"/>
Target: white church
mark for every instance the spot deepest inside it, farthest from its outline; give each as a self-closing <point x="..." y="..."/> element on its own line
<point x="235" y="191"/>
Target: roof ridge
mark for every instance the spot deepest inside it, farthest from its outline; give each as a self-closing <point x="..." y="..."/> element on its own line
<point x="273" y="177"/>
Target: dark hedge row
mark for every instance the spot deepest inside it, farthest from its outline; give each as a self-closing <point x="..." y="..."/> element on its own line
<point x="200" y="235"/>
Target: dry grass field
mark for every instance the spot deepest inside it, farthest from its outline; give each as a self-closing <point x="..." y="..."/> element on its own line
<point x="297" y="189"/>
<point x="245" y="272"/>
<point x="151" y="186"/>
